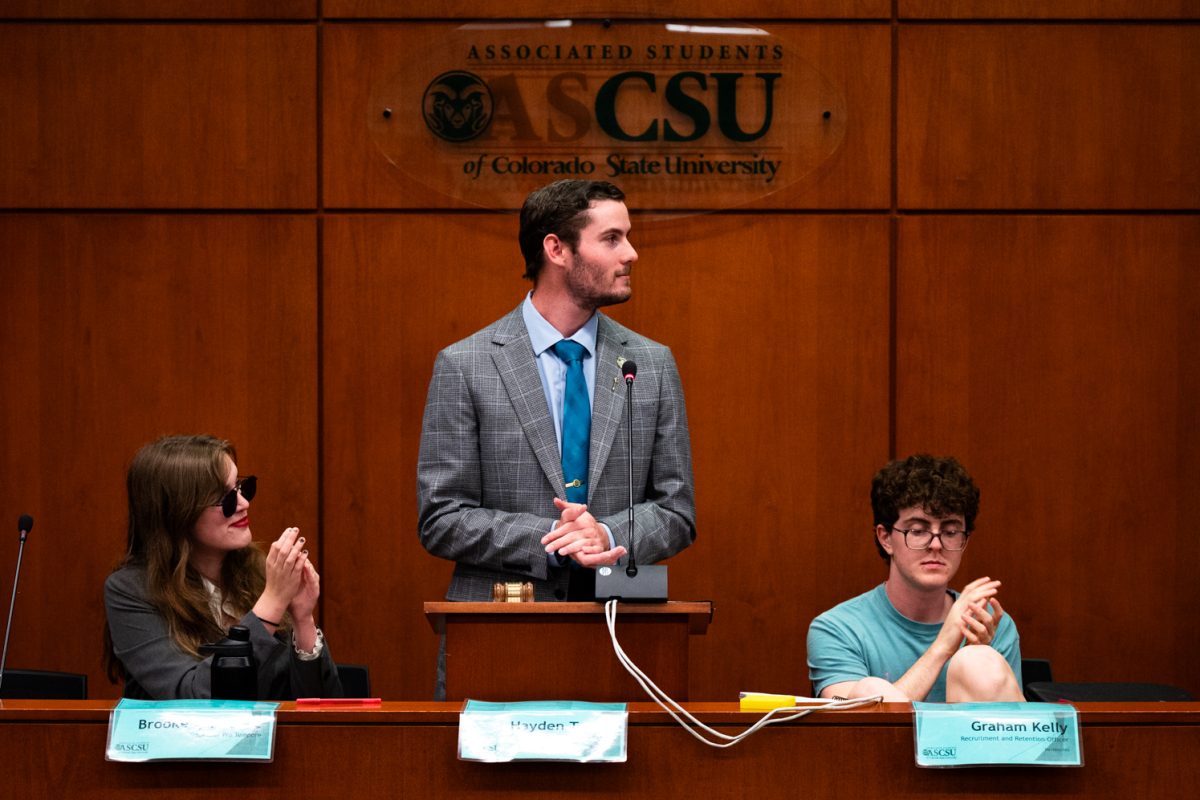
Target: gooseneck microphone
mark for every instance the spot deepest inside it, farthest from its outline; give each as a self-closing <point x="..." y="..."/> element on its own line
<point x="629" y="371"/>
<point x="24" y="526"/>
<point x="642" y="584"/>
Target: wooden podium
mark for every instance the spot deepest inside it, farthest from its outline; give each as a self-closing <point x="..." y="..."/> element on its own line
<point x="562" y="651"/>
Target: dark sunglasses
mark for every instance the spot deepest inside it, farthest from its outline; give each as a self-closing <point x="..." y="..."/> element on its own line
<point x="248" y="486"/>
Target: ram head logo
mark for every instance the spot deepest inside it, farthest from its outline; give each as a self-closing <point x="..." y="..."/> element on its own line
<point x="457" y="106"/>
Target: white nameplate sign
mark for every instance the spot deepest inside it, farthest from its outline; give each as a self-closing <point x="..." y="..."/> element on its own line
<point x="561" y="730"/>
<point x="977" y="734"/>
<point x="191" y="730"/>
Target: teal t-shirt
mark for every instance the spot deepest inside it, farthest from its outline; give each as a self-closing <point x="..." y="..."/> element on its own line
<point x="867" y="636"/>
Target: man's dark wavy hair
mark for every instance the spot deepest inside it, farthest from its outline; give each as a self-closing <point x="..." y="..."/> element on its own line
<point x="559" y="208"/>
<point x="940" y="486"/>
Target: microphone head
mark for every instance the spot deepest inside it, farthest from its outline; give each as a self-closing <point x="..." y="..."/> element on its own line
<point x="629" y="370"/>
<point x="25" y="523"/>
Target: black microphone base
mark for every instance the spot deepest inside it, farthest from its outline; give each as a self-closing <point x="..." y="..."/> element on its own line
<point x="648" y="586"/>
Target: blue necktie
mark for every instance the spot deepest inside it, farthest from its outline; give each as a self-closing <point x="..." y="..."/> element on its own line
<point x="576" y="421"/>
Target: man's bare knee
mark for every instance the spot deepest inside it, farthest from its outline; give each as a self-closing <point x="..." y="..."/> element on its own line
<point x="978" y="673"/>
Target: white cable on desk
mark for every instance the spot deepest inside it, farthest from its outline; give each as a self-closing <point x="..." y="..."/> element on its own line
<point x="671" y="707"/>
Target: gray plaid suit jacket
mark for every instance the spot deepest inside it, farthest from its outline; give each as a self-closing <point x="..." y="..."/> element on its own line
<point x="489" y="466"/>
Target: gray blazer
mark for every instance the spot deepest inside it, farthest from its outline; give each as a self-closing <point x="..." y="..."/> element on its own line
<point x="489" y="466"/>
<point x="158" y="670"/>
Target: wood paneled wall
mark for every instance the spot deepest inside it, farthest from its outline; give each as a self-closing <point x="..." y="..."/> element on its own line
<point x="196" y="234"/>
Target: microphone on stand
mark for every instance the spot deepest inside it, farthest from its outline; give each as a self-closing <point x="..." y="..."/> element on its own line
<point x="24" y="526"/>
<point x="634" y="583"/>
<point x="629" y="371"/>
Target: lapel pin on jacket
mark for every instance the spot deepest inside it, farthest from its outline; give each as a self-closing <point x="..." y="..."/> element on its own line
<point x="617" y="378"/>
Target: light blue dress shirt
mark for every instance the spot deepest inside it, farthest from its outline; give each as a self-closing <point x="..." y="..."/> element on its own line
<point x="551" y="368"/>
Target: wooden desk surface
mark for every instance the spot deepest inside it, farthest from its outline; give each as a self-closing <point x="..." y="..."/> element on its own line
<point x="54" y="749"/>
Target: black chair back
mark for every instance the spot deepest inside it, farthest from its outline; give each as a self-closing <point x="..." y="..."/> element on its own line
<point x="1034" y="670"/>
<point x="356" y="679"/>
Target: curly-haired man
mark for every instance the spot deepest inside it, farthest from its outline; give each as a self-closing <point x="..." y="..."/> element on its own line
<point x="912" y="637"/>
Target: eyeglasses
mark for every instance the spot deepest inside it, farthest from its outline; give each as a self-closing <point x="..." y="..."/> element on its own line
<point x="922" y="538"/>
<point x="248" y="486"/>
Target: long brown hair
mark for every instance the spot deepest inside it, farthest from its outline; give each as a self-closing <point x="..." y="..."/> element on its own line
<point x="170" y="483"/>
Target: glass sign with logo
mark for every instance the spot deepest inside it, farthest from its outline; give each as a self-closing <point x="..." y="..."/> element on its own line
<point x="689" y="116"/>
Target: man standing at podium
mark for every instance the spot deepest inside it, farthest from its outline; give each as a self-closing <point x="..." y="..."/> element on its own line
<point x="523" y="468"/>
<point x="912" y="637"/>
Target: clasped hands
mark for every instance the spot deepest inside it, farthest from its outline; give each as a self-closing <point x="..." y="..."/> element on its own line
<point x="293" y="584"/>
<point x="969" y="617"/>
<point x="577" y="535"/>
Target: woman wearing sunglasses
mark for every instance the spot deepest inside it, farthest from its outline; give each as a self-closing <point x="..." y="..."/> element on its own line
<point x="191" y="572"/>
